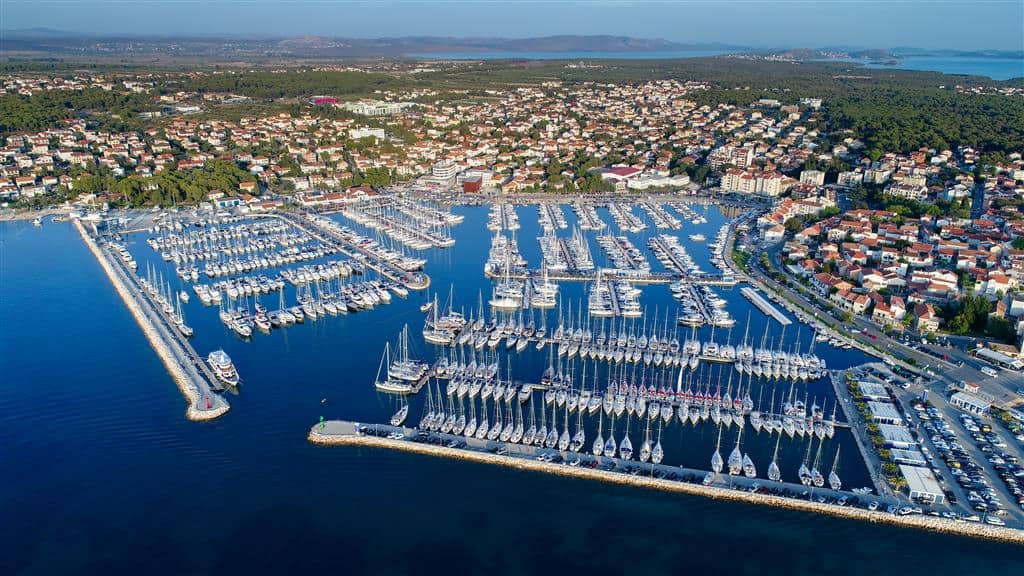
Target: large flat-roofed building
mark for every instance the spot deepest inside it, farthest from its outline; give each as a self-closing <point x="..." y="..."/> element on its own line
<point x="872" y="390"/>
<point x="908" y="457"/>
<point x="377" y="107"/>
<point x="896" y="436"/>
<point x="884" y="413"/>
<point x="922" y="485"/>
<point x="969" y="403"/>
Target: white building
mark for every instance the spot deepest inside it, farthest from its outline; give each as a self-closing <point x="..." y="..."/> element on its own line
<point x="360" y="133"/>
<point x="741" y="156"/>
<point x="652" y="181"/>
<point x="766" y="183"/>
<point x="969" y="403"/>
<point x="813" y="177"/>
<point x="850" y="179"/>
<point x="908" y="191"/>
<point x="444" y="169"/>
<point x="377" y="107"/>
<point x="922" y="485"/>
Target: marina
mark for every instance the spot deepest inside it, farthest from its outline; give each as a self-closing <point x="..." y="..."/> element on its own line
<point x="414" y="225"/>
<point x="587" y="216"/>
<point x="548" y="375"/>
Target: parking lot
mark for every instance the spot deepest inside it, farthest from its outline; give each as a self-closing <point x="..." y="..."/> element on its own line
<point x="980" y="460"/>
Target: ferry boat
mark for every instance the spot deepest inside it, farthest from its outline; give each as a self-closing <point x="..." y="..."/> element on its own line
<point x="222" y="366"/>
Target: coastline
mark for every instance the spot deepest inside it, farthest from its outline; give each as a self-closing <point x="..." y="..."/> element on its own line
<point x="12" y="215"/>
<point x="927" y="523"/>
<point x="194" y="411"/>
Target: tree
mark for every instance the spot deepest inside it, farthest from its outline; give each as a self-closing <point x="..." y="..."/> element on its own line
<point x="794" y="225"/>
<point x="554" y="167"/>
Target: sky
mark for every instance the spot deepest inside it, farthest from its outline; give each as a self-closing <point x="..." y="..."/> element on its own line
<point x="935" y="24"/>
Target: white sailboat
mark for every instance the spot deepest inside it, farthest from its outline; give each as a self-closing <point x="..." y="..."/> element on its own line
<point x="626" y="447"/>
<point x="716" y="458"/>
<point x="736" y="457"/>
<point x="833" y="477"/>
<point x="399" y="417"/>
<point x="774" y="474"/>
<point x="645" y="446"/>
<point x="598" y="447"/>
<point x="658" y="453"/>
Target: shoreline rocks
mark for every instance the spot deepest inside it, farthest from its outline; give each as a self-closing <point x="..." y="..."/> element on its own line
<point x="188" y="390"/>
<point x="929" y="523"/>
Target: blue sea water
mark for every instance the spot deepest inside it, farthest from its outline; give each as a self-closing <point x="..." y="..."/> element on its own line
<point x="104" y="475"/>
<point x="572" y="55"/>
<point x="995" y="68"/>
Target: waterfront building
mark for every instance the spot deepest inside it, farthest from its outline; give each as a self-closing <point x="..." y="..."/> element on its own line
<point x="896" y="436"/>
<point x="922" y="485"/>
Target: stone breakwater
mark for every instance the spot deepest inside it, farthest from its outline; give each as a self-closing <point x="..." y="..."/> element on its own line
<point x="189" y="389"/>
<point x="929" y="523"/>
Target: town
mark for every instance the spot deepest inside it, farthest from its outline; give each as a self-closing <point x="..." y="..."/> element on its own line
<point x="912" y="254"/>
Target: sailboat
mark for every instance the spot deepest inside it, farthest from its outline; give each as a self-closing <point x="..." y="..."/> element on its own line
<point x="482" y="428"/>
<point x="774" y="474"/>
<point x="495" y="429"/>
<point x="564" y="439"/>
<point x="581" y="436"/>
<point x="645" y="447"/>
<point x="626" y="447"/>
<point x="531" y="432"/>
<point x="736" y="457"/>
<point x="716" y="458"/>
<point x="749" y="470"/>
<point x="816" y="478"/>
<point x="609" y="446"/>
<point x="470" y="430"/>
<point x="658" y="453"/>
<point x="179" y="321"/>
<point x="805" y="471"/>
<point x="460" y="423"/>
<point x="598" y="447"/>
<point x="542" y="432"/>
<point x="833" y="476"/>
<point x="552" y="440"/>
<point x="399" y="417"/>
<point x="517" y="432"/>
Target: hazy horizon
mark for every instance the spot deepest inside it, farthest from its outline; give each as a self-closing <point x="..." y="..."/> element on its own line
<point x="883" y="24"/>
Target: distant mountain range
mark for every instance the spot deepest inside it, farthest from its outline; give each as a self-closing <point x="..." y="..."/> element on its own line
<point x="49" y="42"/>
<point x="56" y="41"/>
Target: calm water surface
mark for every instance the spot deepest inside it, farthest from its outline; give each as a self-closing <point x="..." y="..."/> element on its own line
<point x="103" y="475"/>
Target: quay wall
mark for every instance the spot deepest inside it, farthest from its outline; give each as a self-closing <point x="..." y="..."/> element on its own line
<point x="187" y="387"/>
<point x="929" y="523"/>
